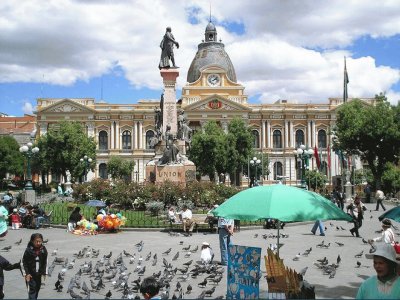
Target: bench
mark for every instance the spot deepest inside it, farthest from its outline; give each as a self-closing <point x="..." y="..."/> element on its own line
<point x="198" y="219"/>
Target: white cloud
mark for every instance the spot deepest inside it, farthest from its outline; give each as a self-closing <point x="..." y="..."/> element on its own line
<point x="62" y="41"/>
<point x="27" y="108"/>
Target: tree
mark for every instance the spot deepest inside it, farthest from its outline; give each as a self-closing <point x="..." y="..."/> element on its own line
<point x="391" y="178"/>
<point x="12" y="161"/>
<point x="315" y="180"/>
<point x="240" y="145"/>
<point x="119" y="168"/>
<point x="370" y="131"/>
<point x="61" y="149"/>
<point x="208" y="150"/>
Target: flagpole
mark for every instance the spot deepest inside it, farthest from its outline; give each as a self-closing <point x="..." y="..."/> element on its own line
<point x="345" y="82"/>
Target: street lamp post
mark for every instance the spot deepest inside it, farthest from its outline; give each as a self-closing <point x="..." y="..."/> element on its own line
<point x="255" y="162"/>
<point x="87" y="160"/>
<point x="28" y="151"/>
<point x="304" y="155"/>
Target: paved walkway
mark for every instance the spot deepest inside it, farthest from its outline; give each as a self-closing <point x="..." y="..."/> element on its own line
<point x="344" y="285"/>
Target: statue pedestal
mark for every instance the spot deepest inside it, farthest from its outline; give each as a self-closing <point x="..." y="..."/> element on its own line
<point x="180" y="173"/>
<point x="348" y="191"/>
<point x="29" y="196"/>
<point x="169" y="106"/>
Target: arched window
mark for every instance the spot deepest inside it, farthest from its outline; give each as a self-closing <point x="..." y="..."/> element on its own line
<point x="103" y="171"/>
<point x="321" y="138"/>
<point x="277" y="139"/>
<point x="299" y="138"/>
<point x="103" y="140"/>
<point x="256" y="139"/>
<point x="149" y="135"/>
<point x="126" y="140"/>
<point x="278" y="170"/>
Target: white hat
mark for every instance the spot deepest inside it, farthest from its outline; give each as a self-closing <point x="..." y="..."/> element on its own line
<point x="205" y="244"/>
<point x="382" y="249"/>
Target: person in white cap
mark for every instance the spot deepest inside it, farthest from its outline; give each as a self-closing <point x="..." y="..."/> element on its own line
<point x="386" y="283"/>
<point x="387" y="234"/>
<point x="207" y="254"/>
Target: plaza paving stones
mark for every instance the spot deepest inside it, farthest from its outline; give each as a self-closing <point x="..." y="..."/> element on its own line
<point x="344" y="285"/>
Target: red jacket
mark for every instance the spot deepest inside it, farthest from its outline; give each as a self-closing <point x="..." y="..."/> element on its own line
<point x="15" y="218"/>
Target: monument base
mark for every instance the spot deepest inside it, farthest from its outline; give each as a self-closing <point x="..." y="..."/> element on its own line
<point x="180" y="173"/>
<point x="29" y="196"/>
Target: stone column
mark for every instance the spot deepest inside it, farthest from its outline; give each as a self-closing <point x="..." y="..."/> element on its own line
<point x="263" y="133"/>
<point x="286" y="135"/>
<point x="90" y="127"/>
<point x="309" y="133"/>
<point x="140" y="135"/>
<point x="292" y="135"/>
<point x="135" y="136"/>
<point x="112" y="135"/>
<point x="268" y="134"/>
<point x="117" y="135"/>
<point x="314" y="140"/>
<point x="43" y="128"/>
<point x="169" y="107"/>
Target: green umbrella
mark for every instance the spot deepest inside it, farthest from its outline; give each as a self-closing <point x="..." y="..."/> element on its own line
<point x="282" y="202"/>
<point x="393" y="214"/>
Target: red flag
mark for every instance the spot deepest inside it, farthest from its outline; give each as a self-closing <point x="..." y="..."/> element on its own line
<point x="329" y="156"/>
<point x="317" y="156"/>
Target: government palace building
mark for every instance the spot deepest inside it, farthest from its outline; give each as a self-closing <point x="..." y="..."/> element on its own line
<point x="211" y="93"/>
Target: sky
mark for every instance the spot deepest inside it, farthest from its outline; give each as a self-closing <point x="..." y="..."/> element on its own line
<point x="281" y="49"/>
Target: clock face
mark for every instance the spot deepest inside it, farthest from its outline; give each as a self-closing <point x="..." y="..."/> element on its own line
<point x="213" y="79"/>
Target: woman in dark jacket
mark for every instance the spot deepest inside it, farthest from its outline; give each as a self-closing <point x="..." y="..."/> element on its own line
<point x="74" y="218"/>
<point x="34" y="264"/>
<point x="5" y="265"/>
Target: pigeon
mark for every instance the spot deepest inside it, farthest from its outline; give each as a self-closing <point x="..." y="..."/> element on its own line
<point x="189" y="289"/>
<point x="188" y="263"/>
<point x="7" y="248"/>
<point x="339" y="259"/>
<point x="45" y="241"/>
<point x="108" y="294"/>
<point x="256" y="235"/>
<point x="342" y="228"/>
<point x="176" y="256"/>
<point x="108" y="255"/>
<point x="358" y="264"/>
<point x="194" y="249"/>
<point x="140" y="244"/>
<point x="339" y="244"/>
<point x="74" y="295"/>
<point x="57" y="284"/>
<point x="60" y="288"/>
<point x="364" y="241"/>
<point x="18" y="242"/>
<point x="332" y="274"/>
<point x="331" y="224"/>
<point x="322" y="260"/>
<point x="307" y="252"/>
<point x="127" y="254"/>
<point x="203" y="283"/>
<point x="337" y="228"/>
<point x="54" y="253"/>
<point x="186" y="248"/>
<point x="326" y="246"/>
<point x="321" y="244"/>
<point x="297" y="257"/>
<point x="303" y="271"/>
<point x="167" y="252"/>
<point x="178" y="286"/>
<point x="85" y="288"/>
<point x="358" y="255"/>
<point x="148" y="256"/>
<point x="208" y="293"/>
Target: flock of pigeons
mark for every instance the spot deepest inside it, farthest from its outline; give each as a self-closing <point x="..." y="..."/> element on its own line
<point x="119" y="275"/>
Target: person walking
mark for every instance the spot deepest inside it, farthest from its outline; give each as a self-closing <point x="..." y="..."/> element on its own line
<point x="380" y="196"/>
<point x="318" y="224"/>
<point x="386" y="283"/>
<point x="34" y="264"/>
<point x="225" y="231"/>
<point x="340" y="198"/>
<point x="367" y="192"/>
<point x="356" y="210"/>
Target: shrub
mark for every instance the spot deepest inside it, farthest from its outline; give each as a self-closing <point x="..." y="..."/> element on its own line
<point x="154" y="207"/>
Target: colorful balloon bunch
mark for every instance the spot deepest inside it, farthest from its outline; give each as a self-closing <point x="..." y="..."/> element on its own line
<point x="85" y="227"/>
<point x="110" y="222"/>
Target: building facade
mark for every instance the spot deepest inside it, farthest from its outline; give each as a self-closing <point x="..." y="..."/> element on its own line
<point x="211" y="93"/>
